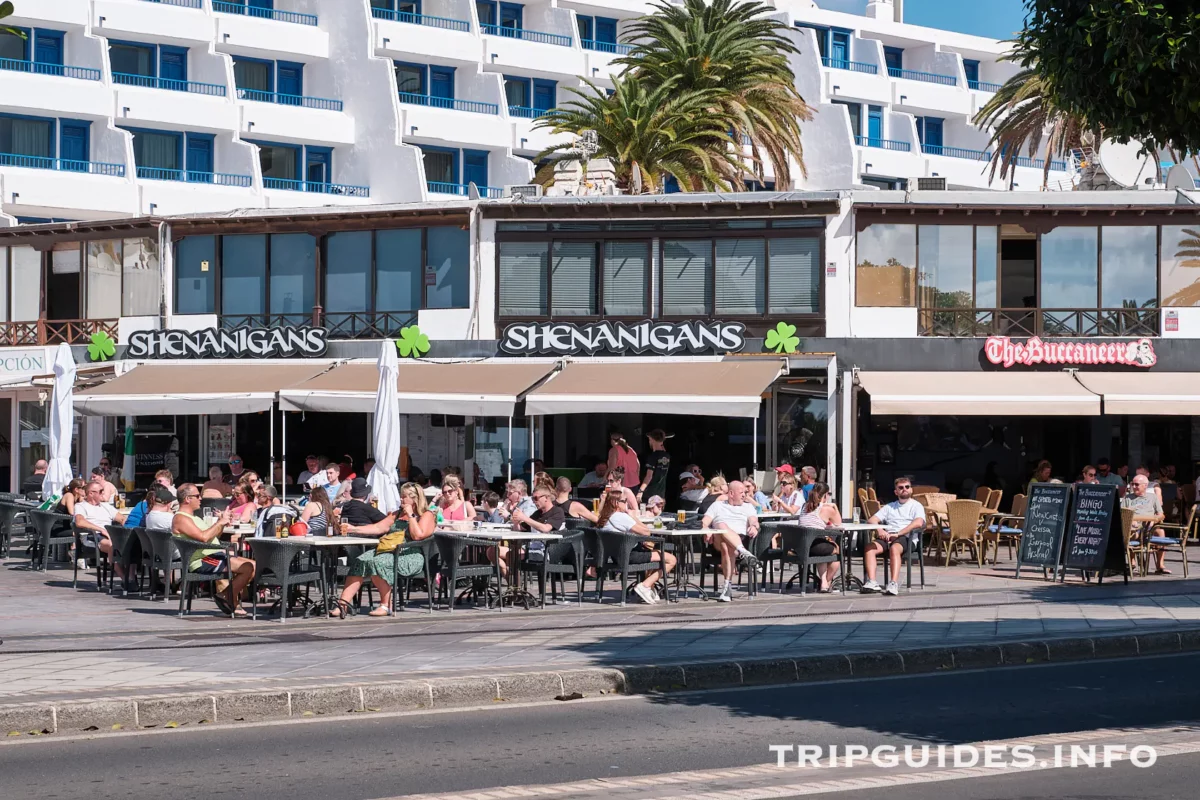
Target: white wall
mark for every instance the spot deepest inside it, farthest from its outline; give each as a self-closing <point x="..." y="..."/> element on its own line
<point x="827" y="140"/>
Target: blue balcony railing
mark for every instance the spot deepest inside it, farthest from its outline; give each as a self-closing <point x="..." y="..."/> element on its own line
<point x="57" y="70"/>
<point x="422" y="19"/>
<point x="343" y="189"/>
<point x="218" y="178"/>
<point x="925" y="77"/>
<point x="450" y="103"/>
<point x="152" y="82"/>
<point x="289" y="99"/>
<point x="955" y="152"/>
<point x="460" y="189"/>
<point x="529" y="36"/>
<point x="527" y="113"/>
<point x="607" y="47"/>
<point x="181" y="3"/>
<point x="62" y="164"/>
<point x="225" y="7"/>
<point x="853" y="66"/>
<point x="984" y="86"/>
<point x="1039" y="163"/>
<point x="884" y="144"/>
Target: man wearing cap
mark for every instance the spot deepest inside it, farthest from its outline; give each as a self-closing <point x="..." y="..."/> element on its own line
<point x="691" y="488"/>
<point x="357" y="512"/>
<point x="658" y="466"/>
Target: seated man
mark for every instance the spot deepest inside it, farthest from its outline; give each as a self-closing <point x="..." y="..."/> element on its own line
<point x="211" y="560"/>
<point x="215" y="486"/>
<point x="595" y="478"/>
<point x="269" y="510"/>
<point x="33" y="484"/>
<point x="1145" y="503"/>
<point x="732" y="519"/>
<point x="903" y="520"/>
<point x="92" y="514"/>
<point x="548" y="518"/>
<point x="691" y="488"/>
<point x="110" y="489"/>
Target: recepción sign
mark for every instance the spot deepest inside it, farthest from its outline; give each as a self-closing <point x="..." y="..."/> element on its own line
<point x="23" y="362"/>
<point x="281" y="342"/>
<point x="1002" y="351"/>
<point x="648" y="337"/>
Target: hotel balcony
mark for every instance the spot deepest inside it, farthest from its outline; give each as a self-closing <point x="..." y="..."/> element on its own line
<point x="295" y="118"/>
<point x="55" y="91"/>
<point x="928" y="92"/>
<point x="443" y="31"/>
<point x="153" y="82"/>
<point x="30" y="185"/>
<point x="436" y="188"/>
<point x="260" y="29"/>
<point x="151" y="20"/>
<point x="526" y="51"/>
<point x="337" y="189"/>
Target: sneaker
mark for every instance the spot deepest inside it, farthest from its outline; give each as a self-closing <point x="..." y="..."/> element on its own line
<point x="81" y="563"/>
<point x="646" y="594"/>
<point x="871" y="587"/>
<point x="893" y="589"/>
<point x="726" y="595"/>
<point x="747" y="558"/>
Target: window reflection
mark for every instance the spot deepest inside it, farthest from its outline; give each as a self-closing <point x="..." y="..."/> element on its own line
<point x="1069" y="274"/>
<point x="945" y="275"/>
<point x="1181" y="265"/>
<point x="886" y="269"/>
<point x="1128" y="263"/>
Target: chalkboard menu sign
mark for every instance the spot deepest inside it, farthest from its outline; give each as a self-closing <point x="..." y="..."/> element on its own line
<point x="1094" y="541"/>
<point x="1045" y="521"/>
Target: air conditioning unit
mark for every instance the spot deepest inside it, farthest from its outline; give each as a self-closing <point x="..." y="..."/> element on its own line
<point x="526" y="190"/>
<point x="930" y="184"/>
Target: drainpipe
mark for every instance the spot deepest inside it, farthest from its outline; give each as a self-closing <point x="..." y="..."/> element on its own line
<point x="162" y="273"/>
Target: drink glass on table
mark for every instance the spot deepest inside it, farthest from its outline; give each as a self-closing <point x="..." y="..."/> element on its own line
<point x="857" y="516"/>
<point x="681" y="516"/>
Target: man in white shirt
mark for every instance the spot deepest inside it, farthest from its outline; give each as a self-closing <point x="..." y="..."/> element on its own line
<point x="92" y="514"/>
<point x="595" y="478"/>
<point x="312" y="466"/>
<point x="732" y="519"/>
<point x="691" y="488"/>
<point x="902" y="521"/>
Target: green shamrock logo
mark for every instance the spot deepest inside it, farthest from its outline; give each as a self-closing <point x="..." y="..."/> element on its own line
<point x="412" y="343"/>
<point x="102" y="347"/>
<point x="782" y="339"/>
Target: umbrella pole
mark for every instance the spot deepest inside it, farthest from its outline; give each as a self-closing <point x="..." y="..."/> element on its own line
<point x="510" y="426"/>
<point x="532" y="446"/>
<point x="753" y="445"/>
<point x="271" y="445"/>
<point x="283" y="453"/>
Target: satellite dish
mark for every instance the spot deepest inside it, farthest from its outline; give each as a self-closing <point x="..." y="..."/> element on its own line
<point x="1178" y="177"/>
<point x="1124" y="164"/>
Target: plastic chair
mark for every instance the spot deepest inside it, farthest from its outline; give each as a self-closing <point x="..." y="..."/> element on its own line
<point x="796" y="544"/>
<point x="51" y="530"/>
<point x="187" y="579"/>
<point x="101" y="558"/>
<point x="451" y="548"/>
<point x="554" y="563"/>
<point x="915" y="552"/>
<point x="276" y="565"/>
<point x="164" y="558"/>
<point x="617" y="548"/>
<point x="8" y="515"/>
<point x="124" y="541"/>
<point x="427" y="547"/>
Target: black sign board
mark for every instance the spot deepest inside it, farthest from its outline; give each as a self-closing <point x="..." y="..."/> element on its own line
<point x="648" y="337"/>
<point x="284" y="341"/>
<point x="1045" y="521"/>
<point x="1094" y="540"/>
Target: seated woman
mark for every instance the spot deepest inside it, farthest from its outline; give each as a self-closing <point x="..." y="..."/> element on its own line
<point x="820" y="513"/>
<point x="654" y="508"/>
<point x="317" y="513"/>
<point x="757" y="497"/>
<point x="241" y="506"/>
<point x="614" y="484"/>
<point x="453" y="502"/>
<point x="72" y="493"/>
<point x="379" y="566"/>
<point x="787" y="497"/>
<point x="614" y="518"/>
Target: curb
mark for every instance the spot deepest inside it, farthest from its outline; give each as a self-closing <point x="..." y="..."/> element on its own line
<point x="174" y="711"/>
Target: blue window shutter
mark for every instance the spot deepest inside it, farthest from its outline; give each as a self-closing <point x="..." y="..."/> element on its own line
<point x="606" y="30"/>
<point x="475" y="167"/>
<point x="441" y="82"/>
<point x="289" y="80"/>
<point x="199" y="157"/>
<point x="48" y="47"/>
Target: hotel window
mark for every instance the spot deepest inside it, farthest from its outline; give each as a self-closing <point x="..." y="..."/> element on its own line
<point x="1180" y="264"/>
<point x="885" y="274"/>
<point x="27" y="136"/>
<point x="687" y="286"/>
<point x="1128" y="266"/>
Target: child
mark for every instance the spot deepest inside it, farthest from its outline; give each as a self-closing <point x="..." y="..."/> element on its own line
<point x="490" y="511"/>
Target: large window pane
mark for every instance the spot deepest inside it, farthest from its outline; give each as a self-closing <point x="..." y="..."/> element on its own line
<point x="523" y="268"/>
<point x="687" y="284"/>
<point x="156" y="150"/>
<point x="13" y="46"/>
<point x="626" y="279"/>
<point x="410" y="79"/>
<point x="448" y="258"/>
<point x="131" y="59"/>
<point x="1069" y="256"/>
<point x="104" y="265"/>
<point x="741" y="276"/>
<point x="886" y="271"/>
<point x="573" y="279"/>
<point x="1128" y="266"/>
<point x="1180" y="265"/>
<point x="254" y="75"/>
<point x="195" y="263"/>
<point x="293" y="276"/>
<point x="439" y="167"/>
<point x="278" y="162"/>
<point x="347" y="279"/>
<point x="945" y="276"/>
<point x="142" y="284"/>
<point x="243" y="274"/>
<point x="795" y="276"/>
<point x="26" y="137"/>
<point x="987" y="256"/>
<point x="399" y="274"/>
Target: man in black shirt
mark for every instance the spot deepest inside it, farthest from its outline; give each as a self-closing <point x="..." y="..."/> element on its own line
<point x="658" y="466"/>
<point x="358" y="513"/>
<point x="34" y="482"/>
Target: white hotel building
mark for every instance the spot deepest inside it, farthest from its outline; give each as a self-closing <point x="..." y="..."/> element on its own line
<point x="115" y="108"/>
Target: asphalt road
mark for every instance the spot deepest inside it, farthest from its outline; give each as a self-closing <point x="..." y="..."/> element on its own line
<point x="373" y="757"/>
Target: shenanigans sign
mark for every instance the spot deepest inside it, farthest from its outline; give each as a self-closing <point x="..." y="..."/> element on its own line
<point x="619" y="338"/>
<point x="1004" y="352"/>
<point x="282" y="342"/>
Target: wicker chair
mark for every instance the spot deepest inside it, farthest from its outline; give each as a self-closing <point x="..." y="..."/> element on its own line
<point x="1134" y="553"/>
<point x="8" y="514"/>
<point x="871" y="494"/>
<point x="1007" y="529"/>
<point x="617" y="547"/>
<point x="925" y="489"/>
<point x="995" y="497"/>
<point x="870" y="508"/>
<point x="559" y="559"/>
<point x="164" y="558"/>
<point x="1180" y="540"/>
<point x="962" y="527"/>
<point x="982" y="494"/>
<point x="278" y="563"/>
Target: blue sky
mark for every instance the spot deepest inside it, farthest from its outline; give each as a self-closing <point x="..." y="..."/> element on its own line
<point x="998" y="19"/>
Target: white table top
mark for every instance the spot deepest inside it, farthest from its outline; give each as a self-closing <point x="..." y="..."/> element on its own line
<point x="775" y="515"/>
<point x="860" y="526"/>
<point x="321" y="541"/>
<point x="680" y="532"/>
<point x="509" y="535"/>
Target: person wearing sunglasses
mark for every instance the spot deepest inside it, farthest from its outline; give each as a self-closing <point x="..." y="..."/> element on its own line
<point x="236" y="468"/>
<point x="903" y="519"/>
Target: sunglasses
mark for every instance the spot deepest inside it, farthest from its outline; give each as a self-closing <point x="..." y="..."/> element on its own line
<point x="236" y="461"/>
<point x="903" y="486"/>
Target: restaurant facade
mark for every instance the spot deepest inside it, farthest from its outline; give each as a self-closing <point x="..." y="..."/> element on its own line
<point x="944" y="334"/>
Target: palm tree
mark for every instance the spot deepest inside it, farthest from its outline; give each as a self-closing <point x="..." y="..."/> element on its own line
<point x="1021" y="114"/>
<point x="661" y="130"/>
<point x="6" y="10"/>
<point x="734" y="50"/>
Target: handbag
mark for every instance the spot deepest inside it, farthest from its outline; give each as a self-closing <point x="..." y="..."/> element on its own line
<point x="389" y="542"/>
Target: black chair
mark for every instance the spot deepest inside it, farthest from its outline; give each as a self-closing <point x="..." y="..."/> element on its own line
<point x="126" y="551"/>
<point x="451" y="549"/>
<point x="402" y="585"/>
<point x="687" y="505"/>
<point x="217" y="504"/>
<point x="188" y="580"/>
<point x="8" y="515"/>
<point x="795" y="542"/>
<point x="766" y="554"/>
<point x="51" y="530"/>
<point x="560" y="558"/>
<point x="147" y="556"/>
<point x="616" y="548"/>
<point x="279" y="564"/>
<point x="164" y="558"/>
<point x="86" y="539"/>
<point x="914" y="553"/>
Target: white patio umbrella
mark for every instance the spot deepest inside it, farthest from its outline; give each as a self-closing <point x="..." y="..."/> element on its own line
<point x="384" y="475"/>
<point x="62" y="412"/>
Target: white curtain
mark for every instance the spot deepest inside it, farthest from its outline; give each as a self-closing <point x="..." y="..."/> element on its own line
<point x="142" y="281"/>
<point x="31" y="138"/>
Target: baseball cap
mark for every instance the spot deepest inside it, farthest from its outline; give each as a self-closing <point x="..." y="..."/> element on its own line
<point x="162" y="495"/>
<point x="788" y="468"/>
<point x="686" y="476"/>
<point x="359" y="488"/>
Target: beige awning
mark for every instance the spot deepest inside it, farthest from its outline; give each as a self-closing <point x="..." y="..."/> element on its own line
<point x="481" y="389"/>
<point x="1162" y="393"/>
<point x="198" y="388"/>
<point x="728" y="388"/>
<point x="978" y="393"/>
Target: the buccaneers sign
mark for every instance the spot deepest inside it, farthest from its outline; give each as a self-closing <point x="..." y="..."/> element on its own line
<point x="1005" y="352"/>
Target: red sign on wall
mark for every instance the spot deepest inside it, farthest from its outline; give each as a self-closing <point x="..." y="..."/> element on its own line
<point x="1005" y="352"/>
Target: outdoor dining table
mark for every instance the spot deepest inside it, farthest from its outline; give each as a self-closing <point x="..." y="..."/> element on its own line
<point x="852" y="529"/>
<point x="518" y="592"/>
<point x="685" y="560"/>
<point x="326" y="565"/>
